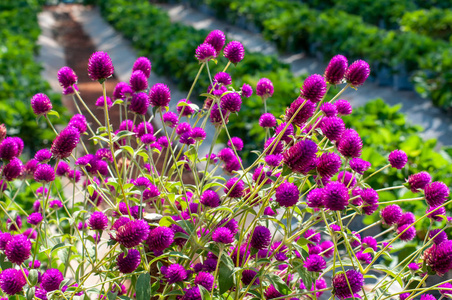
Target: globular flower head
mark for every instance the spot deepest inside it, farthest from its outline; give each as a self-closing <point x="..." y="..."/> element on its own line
<point x="261" y="237"/>
<point x="335" y="71"/>
<point x="236" y="142"/>
<point x="300" y="155"/>
<point x="234" y="188"/>
<point x="170" y="119"/>
<point x="267" y="120"/>
<point x="448" y="291"/>
<point x="205" y="279"/>
<point x="198" y="134"/>
<point x="122" y="90"/>
<point x="138" y="81"/>
<point x="34" y="218"/>
<point x="397" y="159"/>
<point x="303" y="114"/>
<point x="184" y="110"/>
<point x="98" y="221"/>
<point x="327" y="248"/>
<point x="370" y="200"/>
<point x="205" y="52"/>
<point x="139" y="103"/>
<point x="44" y="173"/>
<point x="247" y="90"/>
<point x="343" y="107"/>
<point x="347" y="178"/>
<point x="418" y="181"/>
<point x="286" y="132"/>
<point x="315" y="263"/>
<point x="55" y="204"/>
<point x="41" y="105"/>
<point x="217" y="39"/>
<point x="438" y="236"/>
<point x="357" y="73"/>
<point x="359" y="165"/>
<point x="370" y="242"/>
<point x="273" y="160"/>
<point x="43" y="155"/>
<point x="406" y="218"/>
<point x="328" y="164"/>
<point x="329" y="109"/>
<point x="223" y="235"/>
<point x="100" y="103"/>
<point x="438" y="257"/>
<point x="335" y="196"/>
<point x="70" y="90"/>
<point x="350" y="144"/>
<point x="160" y="238"/>
<point x="142" y="64"/>
<point x="18" y="249"/>
<point x="436" y="193"/>
<point x="407" y="232"/>
<point x="315" y="198"/>
<point x="271" y="292"/>
<point x="67" y="77"/>
<point x="218" y="114"/>
<point x="12" y="281"/>
<point x="159" y="95"/>
<point x="347" y="284"/>
<point x="436" y="213"/>
<point x="231" y="102"/>
<point x="78" y="121"/>
<point x="129" y="263"/>
<point x="223" y="78"/>
<point x="311" y="235"/>
<point x="391" y="214"/>
<point x="175" y="273"/>
<point x="132" y="233"/>
<point x="332" y="128"/>
<point x="210" y="198"/>
<point x="314" y="88"/>
<point x="100" y="66"/>
<point x="12" y="170"/>
<point x="51" y="280"/>
<point x="287" y="194"/>
<point x="143" y="128"/>
<point x="234" y="52"/>
<point x="264" y="88"/>
<point x="249" y="277"/>
<point x="65" y="142"/>
<point x="30" y="168"/>
<point x="9" y="149"/>
<point x="364" y="258"/>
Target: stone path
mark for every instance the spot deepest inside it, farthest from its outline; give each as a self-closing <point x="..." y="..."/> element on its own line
<point x="419" y="111"/>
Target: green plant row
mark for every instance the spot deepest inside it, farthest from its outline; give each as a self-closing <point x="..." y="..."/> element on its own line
<point x="294" y="26"/>
<point x="21" y="78"/>
<point x="436" y="23"/>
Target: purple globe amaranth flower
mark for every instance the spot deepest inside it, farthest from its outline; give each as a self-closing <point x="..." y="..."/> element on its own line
<point x="198" y="134"/>
<point x="12" y="170"/>
<point x="418" y="181"/>
<point x="287" y="194"/>
<point x="365" y="258"/>
<point x="44" y="173"/>
<point x="20" y="145"/>
<point x="184" y="110"/>
<point x="286" y="132"/>
<point x="438" y="236"/>
<point x="9" y="149"/>
<point x="143" y="128"/>
<point x="327" y="248"/>
<point x="249" y="277"/>
<point x="175" y="273"/>
<point x="98" y="221"/>
<point x="79" y="122"/>
<point x="12" y="281"/>
<point x="261" y="238"/>
<point x="230" y="224"/>
<point x="139" y="103"/>
<point x="43" y="155"/>
<point x="370" y="242"/>
<point x="159" y="95"/>
<point x="122" y="90"/>
<point x="132" y="233"/>
<point x="397" y="159"/>
<point x="315" y="263"/>
<point x="41" y="105"/>
<point x="30" y="167"/>
<point x="65" y="143"/>
<point x="359" y="165"/>
<point x="234" y="188"/>
<point x="67" y="77"/>
<point x="234" y="52"/>
<point x="264" y="88"/>
<point x="448" y="291"/>
<point x="436" y="213"/>
<point x="406" y="218"/>
<point x="271" y="292"/>
<point x="347" y="178"/>
<point x="328" y="164"/>
<point x="231" y="102"/>
<point x="223" y="235"/>
<point x="210" y="198"/>
<point x="270" y="146"/>
<point x="70" y="90"/>
<point x="34" y="218"/>
<point x="427" y="297"/>
<point x="350" y="144"/>
<point x="55" y="204"/>
<point x="226" y="155"/>
<point x="18" y="249"/>
<point x="236" y="142"/>
<point x="314" y="88"/>
<point x="436" y="193"/>
<point x="142" y="64"/>
<point x="160" y="238"/>
<point x="170" y="119"/>
<point x="274" y="160"/>
<point x="329" y="109"/>
<point x="205" y="279"/>
<point x="205" y="52"/>
<point x="300" y="155"/>
<point x="304" y="113"/>
<point x="223" y="78"/>
<point x="100" y="103"/>
<point x="335" y="71"/>
<point x="357" y="73"/>
<point x="343" y="107"/>
<point x="51" y="280"/>
<point x="438" y="257"/>
<point x="138" y="81"/>
<point x="335" y="196"/>
<point x="311" y="235"/>
<point x="315" y="198"/>
<point x="247" y="90"/>
<point x="217" y="115"/>
<point x="391" y="214"/>
<point x="407" y="232"/>
<point x="217" y="39"/>
<point x="267" y="120"/>
<point x="332" y="128"/>
<point x="370" y="200"/>
<point x="100" y="66"/>
<point x="347" y="284"/>
<point x="413" y="266"/>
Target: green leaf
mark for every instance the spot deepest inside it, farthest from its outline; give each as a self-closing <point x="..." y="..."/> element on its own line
<point x="143" y="287"/>
<point x="279" y="284"/>
<point x="225" y="272"/>
<point x="53" y="113"/>
<point x="30" y="293"/>
<point x="33" y="277"/>
<point x="391" y="273"/>
<point x="111" y="296"/>
<point x="286" y="171"/>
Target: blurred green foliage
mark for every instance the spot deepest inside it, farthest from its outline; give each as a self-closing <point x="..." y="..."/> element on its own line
<point x="20" y="76"/>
